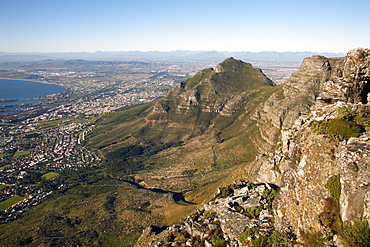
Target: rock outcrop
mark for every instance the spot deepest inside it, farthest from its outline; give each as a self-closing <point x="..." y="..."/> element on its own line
<point x="236" y="209"/>
<point x="330" y="141"/>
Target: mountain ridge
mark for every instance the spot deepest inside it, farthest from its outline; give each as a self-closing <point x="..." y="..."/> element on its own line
<point x="243" y="161"/>
<point x="180" y="55"/>
<point x="307" y="162"/>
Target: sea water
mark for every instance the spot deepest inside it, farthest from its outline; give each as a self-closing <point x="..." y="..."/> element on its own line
<point x="14" y="93"/>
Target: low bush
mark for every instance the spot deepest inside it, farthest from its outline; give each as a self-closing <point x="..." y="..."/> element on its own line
<point x="334" y="187"/>
<point x="356" y="234"/>
<point x="251" y="237"/>
<point x="253" y="212"/>
<point x="350" y="123"/>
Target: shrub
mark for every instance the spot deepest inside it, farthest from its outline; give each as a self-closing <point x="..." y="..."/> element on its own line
<point x="286" y="239"/>
<point x="356" y="234"/>
<point x="225" y="192"/>
<point x="350" y="123"/>
<point x="208" y="215"/>
<point x="253" y="212"/>
<point x="269" y="195"/>
<point x="218" y="241"/>
<point x="252" y="237"/>
<point x="334" y="187"/>
<point x="249" y="233"/>
<point x="338" y="127"/>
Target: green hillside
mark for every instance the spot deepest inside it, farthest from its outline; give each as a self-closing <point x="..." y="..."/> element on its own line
<point x="160" y="161"/>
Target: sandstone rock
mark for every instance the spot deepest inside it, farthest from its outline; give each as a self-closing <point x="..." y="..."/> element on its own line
<point x="305" y="161"/>
<point x="354" y="160"/>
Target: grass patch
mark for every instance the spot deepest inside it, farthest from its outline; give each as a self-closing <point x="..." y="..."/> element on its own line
<point x="4" y="167"/>
<point x="337" y="127"/>
<point x="356" y="234"/>
<point x="334" y="187"/>
<point x="20" y="153"/>
<point x="9" y="202"/>
<point x="3" y="155"/>
<point x="2" y="186"/>
<point x="350" y="123"/>
<point x="50" y="175"/>
<point x="51" y="124"/>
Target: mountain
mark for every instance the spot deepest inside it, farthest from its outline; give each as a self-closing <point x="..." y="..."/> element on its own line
<point x="178" y="56"/>
<point x="242" y="161"/>
<point x="196" y="127"/>
<point x="312" y="188"/>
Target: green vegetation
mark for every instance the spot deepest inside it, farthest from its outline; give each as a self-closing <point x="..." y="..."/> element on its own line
<point x="50" y="175"/>
<point x="20" y="153"/>
<point x="253" y="212"/>
<point x="337" y="127"/>
<point x="218" y="241"/>
<point x="334" y="187"/>
<point x="269" y="195"/>
<point x="351" y="123"/>
<point x="3" y="167"/>
<point x="209" y="215"/>
<point x="3" y="155"/>
<point x="2" y="186"/>
<point x="122" y="160"/>
<point x="356" y="234"/>
<point x="9" y="202"/>
<point x="248" y="233"/>
<point x="251" y="237"/>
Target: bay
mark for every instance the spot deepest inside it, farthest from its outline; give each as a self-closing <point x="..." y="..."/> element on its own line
<point x="20" y="89"/>
<point x="14" y="93"/>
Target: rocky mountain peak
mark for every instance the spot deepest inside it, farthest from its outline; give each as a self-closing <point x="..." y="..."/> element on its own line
<point x="231" y="64"/>
<point x="219" y="90"/>
<point x="351" y="80"/>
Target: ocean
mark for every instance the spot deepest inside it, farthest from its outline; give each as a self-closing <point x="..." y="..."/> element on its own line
<point x="14" y="93"/>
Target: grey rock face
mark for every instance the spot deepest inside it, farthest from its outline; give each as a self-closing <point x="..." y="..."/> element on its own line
<point x="224" y="215"/>
<point x="354" y="162"/>
<point x="305" y="161"/>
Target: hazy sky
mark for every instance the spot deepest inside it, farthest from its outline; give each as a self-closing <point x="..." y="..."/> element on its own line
<point x="167" y="25"/>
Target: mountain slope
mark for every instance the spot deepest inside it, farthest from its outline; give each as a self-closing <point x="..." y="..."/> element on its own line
<point x="306" y="140"/>
<point x="320" y="121"/>
<point x="198" y="122"/>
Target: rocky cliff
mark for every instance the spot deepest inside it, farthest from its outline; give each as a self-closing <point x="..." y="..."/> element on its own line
<point x="314" y="150"/>
<point x="321" y="164"/>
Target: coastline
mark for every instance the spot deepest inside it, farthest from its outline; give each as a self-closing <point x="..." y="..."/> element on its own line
<point x="62" y="89"/>
<point x="21" y="79"/>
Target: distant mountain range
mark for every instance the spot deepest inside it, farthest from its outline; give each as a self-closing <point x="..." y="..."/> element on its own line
<point x="178" y="56"/>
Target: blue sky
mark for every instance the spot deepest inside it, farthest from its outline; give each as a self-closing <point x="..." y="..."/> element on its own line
<point x="167" y="25"/>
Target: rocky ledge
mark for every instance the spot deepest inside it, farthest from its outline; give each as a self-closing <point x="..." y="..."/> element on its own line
<point x="240" y="214"/>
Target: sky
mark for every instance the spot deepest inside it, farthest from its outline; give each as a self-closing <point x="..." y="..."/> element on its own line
<point x="169" y="25"/>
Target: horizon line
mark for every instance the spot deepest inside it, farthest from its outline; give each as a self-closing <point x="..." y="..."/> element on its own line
<point x="143" y="51"/>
